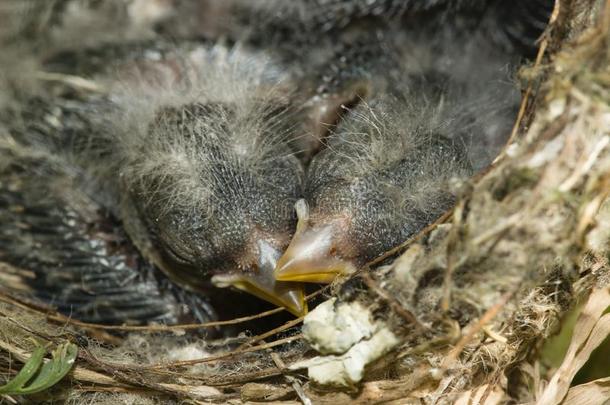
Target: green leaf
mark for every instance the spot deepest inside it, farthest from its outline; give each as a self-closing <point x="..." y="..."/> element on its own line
<point x="38" y="375"/>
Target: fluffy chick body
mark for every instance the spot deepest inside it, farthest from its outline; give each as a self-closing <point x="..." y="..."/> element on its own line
<point x="185" y="146"/>
<point x="436" y="105"/>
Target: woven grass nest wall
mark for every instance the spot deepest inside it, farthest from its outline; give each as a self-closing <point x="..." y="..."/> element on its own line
<point x="522" y="256"/>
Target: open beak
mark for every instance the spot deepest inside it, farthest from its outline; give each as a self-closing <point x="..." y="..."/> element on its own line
<point x="310" y="257"/>
<point x="263" y="284"/>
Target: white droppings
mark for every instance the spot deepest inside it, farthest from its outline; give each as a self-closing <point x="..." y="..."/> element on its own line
<point x="348" y="333"/>
<point x="347" y="369"/>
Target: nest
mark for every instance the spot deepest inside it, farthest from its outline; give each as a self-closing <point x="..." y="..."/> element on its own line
<point x="466" y="308"/>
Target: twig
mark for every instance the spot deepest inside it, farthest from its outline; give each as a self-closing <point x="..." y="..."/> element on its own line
<point x="296" y="384"/>
<point x="544" y="43"/>
<point x="182" y="363"/>
<point x="452" y="242"/>
<point x="408" y="242"/>
<point x="71" y="80"/>
<point x="136" y="379"/>
<point x="394" y="304"/>
<point x="57" y="317"/>
<point x="487" y="317"/>
<point x="272" y="332"/>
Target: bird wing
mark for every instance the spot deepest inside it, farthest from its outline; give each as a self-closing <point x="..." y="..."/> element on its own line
<point x="58" y="246"/>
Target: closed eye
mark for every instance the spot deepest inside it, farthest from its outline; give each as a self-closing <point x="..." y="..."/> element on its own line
<point x="177" y="257"/>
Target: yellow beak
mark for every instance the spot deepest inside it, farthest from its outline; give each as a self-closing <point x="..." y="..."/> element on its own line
<point x="263" y="285"/>
<point x="310" y="256"/>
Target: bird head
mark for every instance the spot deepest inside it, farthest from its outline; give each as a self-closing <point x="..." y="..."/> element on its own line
<point x="382" y="177"/>
<point x="215" y="206"/>
<point x="345" y="223"/>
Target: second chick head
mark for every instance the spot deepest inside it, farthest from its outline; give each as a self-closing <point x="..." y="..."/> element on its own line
<point x="383" y="176"/>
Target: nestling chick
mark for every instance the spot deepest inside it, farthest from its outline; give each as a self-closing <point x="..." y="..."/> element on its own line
<point x="187" y="147"/>
<point x="438" y="104"/>
<point x="384" y="175"/>
<point x="210" y="179"/>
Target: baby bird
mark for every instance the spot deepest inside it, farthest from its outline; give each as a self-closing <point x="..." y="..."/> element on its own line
<point x="383" y="175"/>
<point x="438" y="108"/>
<point x="375" y="185"/>
<point x="183" y="146"/>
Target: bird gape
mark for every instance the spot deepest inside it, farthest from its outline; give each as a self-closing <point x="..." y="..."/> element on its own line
<point x="284" y="143"/>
